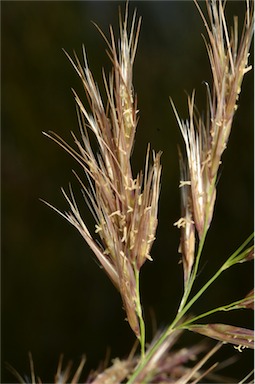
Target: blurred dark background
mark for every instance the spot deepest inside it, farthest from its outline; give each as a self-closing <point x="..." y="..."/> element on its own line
<point x="55" y="298"/>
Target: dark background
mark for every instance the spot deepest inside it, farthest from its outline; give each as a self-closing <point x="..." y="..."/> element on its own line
<point x="55" y="299"/>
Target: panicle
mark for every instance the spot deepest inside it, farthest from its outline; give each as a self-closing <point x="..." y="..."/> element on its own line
<point x="206" y="138"/>
<point x="228" y="57"/>
<point x="124" y="207"/>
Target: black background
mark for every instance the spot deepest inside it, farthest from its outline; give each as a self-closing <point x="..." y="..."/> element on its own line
<point x="55" y="299"/>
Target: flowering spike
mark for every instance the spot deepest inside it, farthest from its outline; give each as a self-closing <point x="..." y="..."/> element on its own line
<point x="124" y="206"/>
<point x="206" y="139"/>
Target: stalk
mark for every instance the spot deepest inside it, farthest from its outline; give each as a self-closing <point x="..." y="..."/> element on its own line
<point x="183" y="310"/>
<point x="140" y="314"/>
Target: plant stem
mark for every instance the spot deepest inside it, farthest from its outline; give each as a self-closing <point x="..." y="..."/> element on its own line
<point x="170" y="329"/>
<point x="193" y="275"/>
<point x="227" y="307"/>
<point x="148" y="355"/>
<point x="224" y="266"/>
<point x="233" y="259"/>
<point x="140" y="314"/>
<point x="184" y="308"/>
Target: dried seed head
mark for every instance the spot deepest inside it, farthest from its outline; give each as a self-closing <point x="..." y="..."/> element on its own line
<point x="124" y="207"/>
<point x="228" y="58"/>
<point x="205" y="140"/>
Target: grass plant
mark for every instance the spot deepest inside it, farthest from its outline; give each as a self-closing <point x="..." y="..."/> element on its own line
<point x="125" y="206"/>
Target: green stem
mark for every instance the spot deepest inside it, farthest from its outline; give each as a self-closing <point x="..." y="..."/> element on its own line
<point x="148" y="356"/>
<point x="170" y="329"/>
<point x="194" y="273"/>
<point x="182" y="310"/>
<point x="140" y="314"/>
<point x="237" y="255"/>
<point x="233" y="259"/>
<point x="228" y="307"/>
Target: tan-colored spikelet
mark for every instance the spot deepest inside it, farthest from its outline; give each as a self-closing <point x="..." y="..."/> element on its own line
<point x="206" y="139"/>
<point x="242" y="337"/>
<point x="186" y="223"/>
<point x="125" y="207"/>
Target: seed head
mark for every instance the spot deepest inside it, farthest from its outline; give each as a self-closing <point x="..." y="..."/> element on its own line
<point x="124" y="207"/>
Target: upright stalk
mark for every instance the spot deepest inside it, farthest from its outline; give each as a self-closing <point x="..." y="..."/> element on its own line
<point x="239" y="254"/>
<point x="140" y="314"/>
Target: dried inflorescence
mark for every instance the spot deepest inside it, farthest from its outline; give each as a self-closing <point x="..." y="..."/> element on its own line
<point x="206" y="139"/>
<point x="125" y="207"/>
